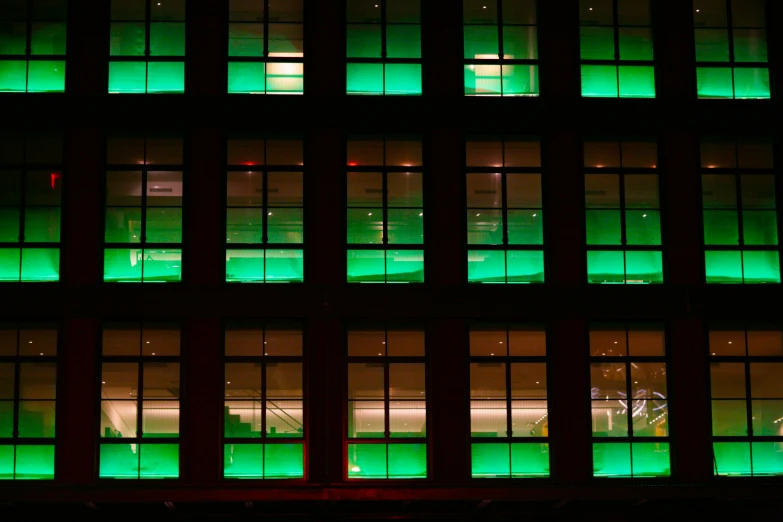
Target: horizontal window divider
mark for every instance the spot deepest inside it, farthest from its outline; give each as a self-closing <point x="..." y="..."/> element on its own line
<point x="379" y="168"/>
<point x="379" y="60"/>
<point x="496" y="61"/>
<point x="266" y="59"/>
<point x="507" y="440"/>
<point x="734" y="65"/>
<point x="622" y="170"/>
<point x="508" y="358"/>
<point x="144" y="167"/>
<point x="617" y="61"/>
<point x="385" y="246"/>
<point x="260" y="168"/>
<point x="140" y="440"/>
<point x="27" y="244"/>
<point x="386" y="359"/>
<point x="736" y="171"/>
<point x="520" y="248"/>
<point x="33" y="57"/>
<point x="263" y="440"/>
<point x="507" y="170"/>
<point x="629" y="439"/>
<point x="146" y="58"/>
<point x="632" y="248"/>
<point x="388" y="440"/>
<point x="750" y="248"/>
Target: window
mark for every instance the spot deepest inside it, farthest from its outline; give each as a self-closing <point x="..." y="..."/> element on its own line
<point x="385" y="211"/>
<point x="140" y="382"/>
<point x="384" y="47"/>
<point x="746" y="367"/>
<point x="32" y="45"/>
<point x="504" y="211"/>
<point x="264" y="420"/>
<point x="265" y="46"/>
<point x="509" y="424"/>
<point x="740" y="215"/>
<point x="501" y="47"/>
<point x="265" y="206"/>
<point x="616" y="47"/>
<point x="143" y="209"/>
<point x="28" y="393"/>
<point x="629" y="402"/>
<point x="622" y="212"/>
<point x="731" y="49"/>
<point x="147" y="46"/>
<point x="387" y="405"/>
<point x="30" y="197"/>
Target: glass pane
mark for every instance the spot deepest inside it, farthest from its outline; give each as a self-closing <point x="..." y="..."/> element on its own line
<point x="712" y="45"/>
<point x="285" y="40"/>
<point x="366" y="419"/>
<point x="727" y="380"/>
<point x="283" y="461"/>
<point x="603" y="227"/>
<point x="35" y="462"/>
<point x="758" y="192"/>
<point x="524" y="341"/>
<point x="723" y="267"/>
<point x="750" y="45"/>
<point x="365" y="152"/>
<point x="37" y="380"/>
<point x="602" y="191"/>
<point x="609" y="416"/>
<point x="599" y="81"/>
<point x="284" y="380"/>
<point x="407" y="461"/>
<point x="363" y="41"/>
<point x="366" y="265"/>
<point x="407" y="419"/>
<point x="641" y="191"/>
<point x="608" y="381"/>
<point x="402" y="78"/>
<point x="161" y="380"/>
<point x="47" y="38"/>
<point x="285" y="78"/>
<point x="245" y="189"/>
<point x="367" y="461"/>
<point x="405" y="226"/>
<point x="160" y="340"/>
<point x="608" y="342"/>
<point x="159" y="461"/>
<point x="121" y="340"/>
<point x="488" y="418"/>
<point x="406" y="380"/>
<point x="520" y="80"/>
<point x="481" y="42"/>
<point x="764" y="380"/>
<point x="245" y="225"/>
<point x="160" y="419"/>
<point x="748" y="83"/>
<point x="403" y="41"/>
<point x="9" y="224"/>
<point x="13" y="76"/>
<point x="245" y="265"/>
<point x="597" y="43"/>
<point x="605" y="267"/>
<point x="732" y="458"/>
<point x="530" y="460"/>
<point x="123" y="225"/>
<point x="528" y="381"/>
<point x="164" y="225"/>
<point x="721" y="227"/>
<point x="243" y="418"/>
<point x="524" y="190"/>
<point x="648" y="380"/>
<point x="729" y="418"/>
<point x="7" y="381"/>
<point x="247" y="77"/>
<point x="119" y="461"/>
<point x="40" y="264"/>
<point x="169" y="10"/>
<point x="365" y="226"/>
<point x="402" y="343"/>
<point x="765" y="418"/>
<point x="485" y="190"/>
<point x="243" y="461"/>
<point x="757" y="267"/>
<point x="246" y="40"/>
<point x="529" y="418"/>
<point x="645" y="343"/>
<point x="165" y="77"/>
<point x="13" y="37"/>
<point x="521" y="154"/>
<point x="637" y="81"/>
<point x="120" y="381"/>
<point x="285" y="225"/>
<point x="365" y="189"/>
<point x="520" y="43"/>
<point x="365" y="380"/>
<point x="485" y="227"/>
<point x="403" y="11"/>
<point x="714" y="82"/>
<point x="127" y="39"/>
<point x="765" y="343"/>
<point x="633" y="12"/>
<point x="162" y="265"/>
<point x="747" y="13"/>
<point x="650" y="459"/>
<point x="285" y="189"/>
<point x="603" y="154"/>
<point x="767" y="458"/>
<point x="525" y="266"/>
<point x="6" y="417"/>
<point x="525" y="227"/>
<point x="284" y="419"/>
<point x="719" y="191"/>
<point x="366" y="343"/>
<point x="130" y="77"/>
<point x="490" y="461"/>
<point x="486" y="266"/>
<point x="710" y="13"/>
<point x="364" y="78"/>
<point x="404" y="189"/>
<point x="611" y="460"/>
<point x="759" y="227"/>
<point x="405" y="266"/>
<point x="643" y="227"/>
<point x="41" y="189"/>
<point x="403" y="153"/>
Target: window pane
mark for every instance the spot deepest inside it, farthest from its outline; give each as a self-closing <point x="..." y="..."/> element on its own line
<point x="285" y="225"/>
<point x="485" y="227"/>
<point x="243" y="461"/>
<point x="169" y="10"/>
<point x="365" y="78"/>
<point x="402" y="78"/>
<point x="404" y="189"/>
<point x="246" y="40"/>
<point x="637" y="81"/>
<point x="246" y="77"/>
<point x="158" y="460"/>
<point x="766" y="458"/>
<point x="723" y="267"/>
<point x="403" y="11"/>
<point x="127" y="39"/>
<point x="403" y="153"/>
<point x="407" y="461"/>
<point x="751" y="83"/>
<point x="485" y="190"/>
<point x="405" y="226"/>
<point x="530" y="460"/>
<point x="366" y="265"/>
<point x="164" y="225"/>
<point x="520" y="80"/>
<point x="365" y="380"/>
<point x="40" y="264"/>
<point x="285" y="189"/>
<point x="596" y="43"/>
<point x="747" y="13"/>
<point x="520" y="43"/>
<point x="403" y="41"/>
<point x="727" y="380"/>
<point x="366" y="419"/>
<point x="47" y="38"/>
<point x="765" y="417"/>
<point x="406" y="380"/>
<point x="602" y="191"/>
<point x="9" y="224"/>
<point x="367" y="461"/>
<point x="122" y="264"/>
<point x="524" y="191"/>
<point x="721" y="227"/>
<point x="363" y="41"/>
<point x="245" y="265"/>
<point x="605" y="267"/>
<point x="13" y="76"/>
<point x="759" y="227"/>
<point x="758" y="192"/>
<point x="283" y="461"/>
<point x="285" y="40"/>
<point x="481" y="42"/>
<point x="603" y="154"/>
<point x="714" y="82"/>
<point x="405" y="266"/>
<point x="611" y="460"/>
<point x="641" y="191"/>
<point x="407" y="419"/>
<point x="525" y="227"/>
<point x="643" y="227"/>
<point x="284" y="265"/>
<point x="765" y="343"/>
<point x="490" y="461"/>
<point x="650" y="459"/>
<point x="712" y="45"/>
<point x="365" y="226"/>
<point x="486" y="266"/>
<point x="732" y="458"/>
<point x="729" y="418"/>
<point x="750" y="45"/>
<point x="603" y="227"/>
<point x="760" y="267"/>
<point x="35" y="462"/>
<point x="165" y="77"/>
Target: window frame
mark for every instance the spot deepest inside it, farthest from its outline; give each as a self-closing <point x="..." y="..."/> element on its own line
<point x="141" y="361"/>
<point x="386" y="440"/>
<point x="501" y="62"/>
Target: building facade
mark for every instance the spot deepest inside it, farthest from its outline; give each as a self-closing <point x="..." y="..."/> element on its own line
<point x="498" y="257"/>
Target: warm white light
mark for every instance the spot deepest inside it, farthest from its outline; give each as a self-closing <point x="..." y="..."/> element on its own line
<point x="148" y="342"/>
<point x="228" y="382"/>
<point x="271" y="214"/>
<point x="41" y="353"/>
<point x="729" y="342"/>
<point x="492" y="354"/>
<point x="534" y="215"/>
<point x="370" y="214"/>
<point x="103" y="382"/>
<point x="153" y="353"/>
<point x="421" y="214"/>
<point x="29" y="342"/>
<point x="356" y="469"/>
<point x="477" y="215"/>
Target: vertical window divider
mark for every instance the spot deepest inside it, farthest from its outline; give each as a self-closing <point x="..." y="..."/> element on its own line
<point x="22" y="205"/>
<point x="386" y="398"/>
<point x="616" y="41"/>
<point x="263" y="397"/>
<point x="17" y="393"/>
<point x="509" y="416"/>
<point x="748" y="393"/>
<point x="265" y="24"/>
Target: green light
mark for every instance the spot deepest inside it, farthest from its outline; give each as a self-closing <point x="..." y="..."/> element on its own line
<point x="133" y="461"/>
<point x="525" y="266"/>
<point x="134" y="264"/>
<point x="490" y="460"/>
<point x="403" y="78"/>
<point x="530" y="460"/>
<point x="631" y="266"/>
<point x="732" y="458"/>
<point x="40" y="264"/>
<point x="637" y="81"/>
<point x="7" y="413"/>
<point x="369" y="78"/>
<point x="149" y="77"/>
<point x="127" y="77"/>
<point x="626" y="460"/>
<point x="159" y="460"/>
<point x="767" y="458"/>
<point x="596" y="43"/>
<point x="35" y="462"/>
<point x="723" y="266"/>
<point x="367" y="461"/>
<point x="747" y="266"/>
<point x="269" y="461"/>
<point x="714" y="82"/>
<point x="9" y="224"/>
<point x="165" y="77"/>
<point x="42" y="225"/>
<point x="481" y="40"/>
<point x="751" y="83"/>
<point x="259" y="265"/>
<point x="10" y="264"/>
<point x="392" y="266"/>
<point x="6" y="462"/>
<point x="284" y="265"/>
<point x="364" y="78"/>
<point x="405" y="461"/>
<point x="761" y="266"/>
<point x="46" y="76"/>
<point x="403" y="41"/>
<point x="651" y="459"/>
<point x="486" y="266"/>
<point x="612" y="460"/>
<point x="167" y="39"/>
<point x="247" y="77"/>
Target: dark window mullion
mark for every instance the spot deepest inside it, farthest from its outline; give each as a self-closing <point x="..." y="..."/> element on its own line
<point x="748" y="395"/>
<point x="509" y="418"/>
<point x="623" y="229"/>
<point x="17" y="394"/>
<point x="616" y="37"/>
<point x="266" y="49"/>
<point x="263" y="395"/>
<point x="147" y="29"/>
<point x="383" y="48"/>
<point x="730" y="30"/>
<point x="386" y="401"/>
<point x="501" y="44"/>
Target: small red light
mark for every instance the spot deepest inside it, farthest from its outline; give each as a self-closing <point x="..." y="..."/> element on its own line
<point x="53" y="177"/>
<point x="248" y="163"/>
<point x="352" y="163"/>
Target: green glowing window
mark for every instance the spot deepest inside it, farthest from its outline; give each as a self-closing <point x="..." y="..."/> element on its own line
<point x="740" y="212"/>
<point x="264" y="422"/>
<point x="139" y="412"/>
<point x="147" y="46"/>
<point x="143" y="233"/>
<point x="385" y="221"/>
<point x="629" y="401"/>
<point x="383" y="45"/>
<point x="509" y="424"/>
<point x="746" y="366"/>
<point x="32" y="45"/>
<point x="504" y="211"/>
<point x="265" y="207"/>
<point x="265" y="47"/>
<point x="28" y="393"/>
<point x="501" y="47"/>
<point x="30" y="198"/>
<point x="616" y="47"/>
<point x="731" y="49"/>
<point x="387" y="405"/>
<point x="622" y="213"/>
